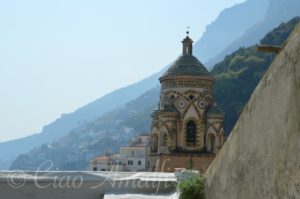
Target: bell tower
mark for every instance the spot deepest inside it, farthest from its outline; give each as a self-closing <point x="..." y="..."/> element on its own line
<point x="187" y="123"/>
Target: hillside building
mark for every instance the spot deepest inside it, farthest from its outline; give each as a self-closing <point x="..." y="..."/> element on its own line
<point x="187" y="128"/>
<point x="135" y="156"/>
<point x="108" y="162"/>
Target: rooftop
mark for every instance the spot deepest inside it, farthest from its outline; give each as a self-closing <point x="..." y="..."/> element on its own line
<point x="186" y="64"/>
<point x="215" y="110"/>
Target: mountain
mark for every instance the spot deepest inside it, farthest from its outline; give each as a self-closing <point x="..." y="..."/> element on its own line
<point x="229" y="25"/>
<point x="236" y="77"/>
<point x="67" y="122"/>
<point x="239" y="73"/>
<point x="278" y="11"/>
<point x="261" y="157"/>
<point x="105" y="134"/>
<point x="60" y="127"/>
<point x="223" y="24"/>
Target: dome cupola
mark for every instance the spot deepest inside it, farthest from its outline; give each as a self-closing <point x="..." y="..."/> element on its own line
<point x="186" y="64"/>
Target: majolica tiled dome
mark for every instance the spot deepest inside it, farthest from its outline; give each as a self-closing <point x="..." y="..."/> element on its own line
<point x="186" y="65"/>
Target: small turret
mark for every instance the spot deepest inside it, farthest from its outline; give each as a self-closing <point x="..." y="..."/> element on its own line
<point x="187" y="45"/>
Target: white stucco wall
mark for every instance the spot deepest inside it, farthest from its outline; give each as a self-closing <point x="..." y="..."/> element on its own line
<point x="82" y="185"/>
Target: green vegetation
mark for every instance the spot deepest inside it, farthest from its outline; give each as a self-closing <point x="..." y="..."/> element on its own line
<point x="239" y="73"/>
<point x="104" y="135"/>
<point x="279" y="35"/>
<point x="236" y="78"/>
<point x="192" y="188"/>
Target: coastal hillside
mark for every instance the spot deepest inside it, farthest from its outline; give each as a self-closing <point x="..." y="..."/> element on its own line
<point x="87" y="113"/>
<point x="278" y="12"/>
<point x="67" y="122"/>
<point x="239" y="73"/>
<point x="261" y="157"/>
<point x="225" y="23"/>
<point x="226" y="28"/>
<point x="237" y="76"/>
<point x="103" y="135"/>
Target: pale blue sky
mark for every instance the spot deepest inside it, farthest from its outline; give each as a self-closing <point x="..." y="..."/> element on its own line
<point x="58" y="55"/>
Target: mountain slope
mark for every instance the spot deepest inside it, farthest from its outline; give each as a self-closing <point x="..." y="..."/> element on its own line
<point x="105" y="134"/>
<point x="237" y="76"/>
<point x="11" y="149"/>
<point x="239" y="73"/>
<point x="229" y="25"/>
<point x="261" y="157"/>
<point x="279" y="11"/>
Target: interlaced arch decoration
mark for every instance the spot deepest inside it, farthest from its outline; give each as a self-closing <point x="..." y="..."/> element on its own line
<point x="217" y="130"/>
<point x="196" y="108"/>
<point x="170" y="132"/>
<point x="211" y="141"/>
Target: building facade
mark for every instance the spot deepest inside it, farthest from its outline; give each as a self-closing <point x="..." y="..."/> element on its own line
<point x="135" y="156"/>
<point x="187" y="128"/>
<point x="109" y="162"/>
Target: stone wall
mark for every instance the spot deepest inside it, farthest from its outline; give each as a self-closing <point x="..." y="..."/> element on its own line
<point x="261" y="158"/>
<point x="169" y="162"/>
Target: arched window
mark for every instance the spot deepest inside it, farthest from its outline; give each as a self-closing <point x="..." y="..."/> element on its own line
<point x="220" y="140"/>
<point x="154" y="142"/>
<point x="211" y="142"/>
<point x="191" y="130"/>
<point x="164" y="140"/>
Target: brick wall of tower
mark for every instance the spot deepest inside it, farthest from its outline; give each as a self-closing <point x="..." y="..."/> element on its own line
<point x="169" y="162"/>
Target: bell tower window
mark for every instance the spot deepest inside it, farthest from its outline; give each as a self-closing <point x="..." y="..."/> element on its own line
<point x="154" y="142"/>
<point x="164" y="139"/>
<point x="191" y="130"/>
<point x="211" y="142"/>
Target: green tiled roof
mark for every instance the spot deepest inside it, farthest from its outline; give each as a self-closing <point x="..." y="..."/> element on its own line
<point x="170" y="108"/>
<point x="155" y="112"/>
<point x="215" y="110"/>
<point x="186" y="65"/>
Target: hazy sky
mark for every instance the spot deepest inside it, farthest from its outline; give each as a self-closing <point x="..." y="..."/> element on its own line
<point x="58" y="55"/>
